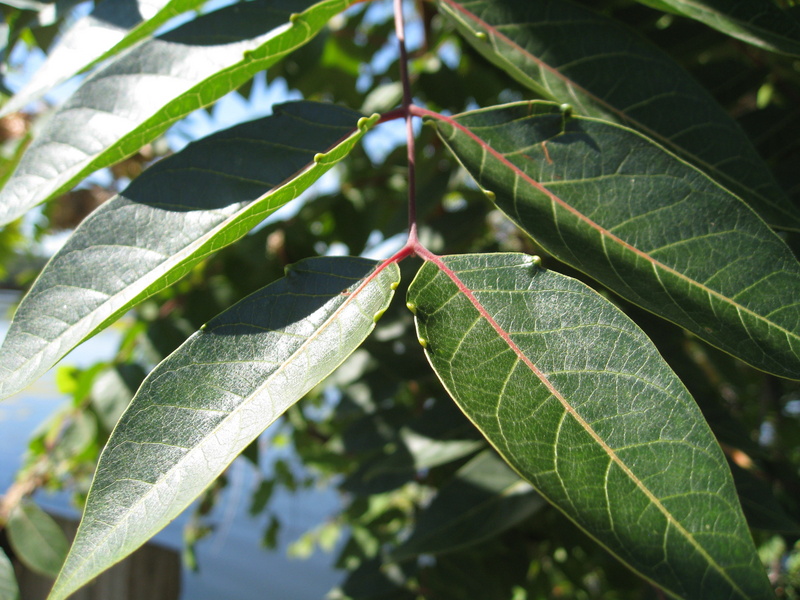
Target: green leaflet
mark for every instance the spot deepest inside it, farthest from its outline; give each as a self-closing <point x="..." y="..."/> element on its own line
<point x="757" y="22"/>
<point x="613" y="204"/>
<point x="172" y="216"/>
<point x="8" y="582"/>
<point x="577" y="399"/>
<point x="111" y="27"/>
<point x="37" y="539"/>
<point x="616" y="75"/>
<point x="218" y="392"/>
<point x="484" y="499"/>
<point x="139" y="95"/>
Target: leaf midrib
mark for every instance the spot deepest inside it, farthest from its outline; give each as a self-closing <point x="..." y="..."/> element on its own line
<point x="349" y="299"/>
<point x="601" y="230"/>
<point x="522" y="357"/>
<point x="609" y="107"/>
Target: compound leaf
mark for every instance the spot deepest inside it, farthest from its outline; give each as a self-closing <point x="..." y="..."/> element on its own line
<point x="579" y="402"/>
<point x="176" y="213"/>
<point x="620" y="208"/>
<point x="214" y="395"/>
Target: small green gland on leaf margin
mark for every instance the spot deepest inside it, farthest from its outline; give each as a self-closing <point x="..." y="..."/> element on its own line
<point x="481" y="35"/>
<point x="490" y="195"/>
<point x="412" y="307"/>
<point x="378" y="315"/>
<point x="423" y="342"/>
<point x="394" y="285"/>
<point x="566" y="110"/>
<point x="319" y="157"/>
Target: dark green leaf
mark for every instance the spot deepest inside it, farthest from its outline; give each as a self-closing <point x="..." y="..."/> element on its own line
<point x="613" y="204"/>
<point x="138" y="96"/>
<point x="762" y="509"/>
<point x="484" y="499"/>
<point x="576" y="398"/>
<point x="757" y="22"/>
<point x="37" y="539"/>
<point x="111" y="27"/>
<point x="614" y="74"/>
<point x="218" y="392"/>
<point x="172" y="216"/>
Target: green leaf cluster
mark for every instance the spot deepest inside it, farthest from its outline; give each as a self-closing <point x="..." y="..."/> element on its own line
<point x="594" y="366"/>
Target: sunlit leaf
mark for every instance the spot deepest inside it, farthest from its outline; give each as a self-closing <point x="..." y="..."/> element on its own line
<point x="613" y="204"/>
<point x="148" y="88"/>
<point x="37" y="539"/>
<point x="172" y="216"/>
<point x="614" y="74"/>
<point x="217" y="393"/>
<point x="579" y="402"/>
<point x="757" y="22"/>
<point x="111" y="27"/>
<point x="484" y="499"/>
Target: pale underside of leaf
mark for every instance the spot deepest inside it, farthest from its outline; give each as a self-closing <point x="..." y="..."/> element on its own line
<point x="176" y="213"/>
<point x="757" y="22"/>
<point x="214" y="395"/>
<point x="112" y="26"/>
<point x="618" y="207"/>
<point x="146" y="89"/>
<point x="577" y="399"/>
<point x="570" y="54"/>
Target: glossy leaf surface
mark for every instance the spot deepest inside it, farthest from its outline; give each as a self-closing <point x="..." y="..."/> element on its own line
<point x="37" y="539"/>
<point x="484" y="499"/>
<point x="614" y="74"/>
<point x="757" y="22"/>
<point x="577" y="399"/>
<point x="112" y="26"/>
<point x="137" y="97"/>
<point x="611" y="203"/>
<point x="171" y="217"/>
<point x="217" y="393"/>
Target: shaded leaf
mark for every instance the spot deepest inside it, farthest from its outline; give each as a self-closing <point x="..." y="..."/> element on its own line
<point x="757" y="22"/>
<point x="171" y="217"/>
<point x="8" y="582"/>
<point x="218" y="392"/>
<point x="578" y="401"/>
<point x="148" y="88"/>
<point x="762" y="509"/>
<point x="614" y="74"/>
<point x="484" y="499"/>
<point x="111" y="27"/>
<point x="37" y="539"/>
<point x="613" y="204"/>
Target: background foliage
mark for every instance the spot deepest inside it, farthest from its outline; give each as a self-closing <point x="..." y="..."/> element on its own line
<point x="428" y="508"/>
